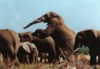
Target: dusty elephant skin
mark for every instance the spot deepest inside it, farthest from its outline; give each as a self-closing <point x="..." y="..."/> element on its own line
<point x="46" y="45"/>
<point x="62" y="35"/>
<point x="90" y="38"/>
<point x="9" y="45"/>
<point x="27" y="53"/>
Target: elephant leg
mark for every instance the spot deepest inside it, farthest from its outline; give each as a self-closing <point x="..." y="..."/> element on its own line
<point x="99" y="59"/>
<point x="45" y="58"/>
<point x="20" y="57"/>
<point x="51" y="57"/>
<point x="32" y="58"/>
<point x="41" y="58"/>
<point x="16" y="61"/>
<point x="1" y="58"/>
<point x="92" y="58"/>
<point x="36" y="58"/>
<point x="6" y="59"/>
<point x="27" y="59"/>
<point x="12" y="55"/>
<point x="58" y="53"/>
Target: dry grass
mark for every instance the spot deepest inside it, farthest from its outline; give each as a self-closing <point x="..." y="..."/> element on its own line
<point x="81" y="62"/>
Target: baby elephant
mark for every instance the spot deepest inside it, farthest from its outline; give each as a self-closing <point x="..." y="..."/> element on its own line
<point x="27" y="53"/>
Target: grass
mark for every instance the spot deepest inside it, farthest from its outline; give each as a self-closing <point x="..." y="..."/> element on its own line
<point x="38" y="66"/>
<point x="98" y="67"/>
<point x="81" y="62"/>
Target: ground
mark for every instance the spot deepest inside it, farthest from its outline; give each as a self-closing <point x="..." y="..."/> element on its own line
<point x="81" y="62"/>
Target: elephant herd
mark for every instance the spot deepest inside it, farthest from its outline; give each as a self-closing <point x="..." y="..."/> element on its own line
<point x="27" y="46"/>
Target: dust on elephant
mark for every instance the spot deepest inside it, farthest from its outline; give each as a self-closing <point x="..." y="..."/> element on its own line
<point x="9" y="45"/>
<point x="62" y="35"/>
<point x="46" y="45"/>
<point x="27" y="53"/>
<point x="91" y="39"/>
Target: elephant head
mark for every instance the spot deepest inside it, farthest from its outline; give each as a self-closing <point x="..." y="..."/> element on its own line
<point x="51" y="18"/>
<point x="28" y="47"/>
<point x="85" y="38"/>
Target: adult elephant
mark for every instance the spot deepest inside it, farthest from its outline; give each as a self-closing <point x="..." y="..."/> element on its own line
<point x="27" y="53"/>
<point x="46" y="45"/>
<point x="62" y="35"/>
<point x="91" y="39"/>
<point x="9" y="45"/>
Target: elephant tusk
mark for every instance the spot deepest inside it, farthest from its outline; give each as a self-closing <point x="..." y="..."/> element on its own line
<point x="76" y="50"/>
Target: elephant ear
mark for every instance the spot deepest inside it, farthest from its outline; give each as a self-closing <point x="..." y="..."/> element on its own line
<point x="51" y="14"/>
<point x="32" y="46"/>
<point x="26" y="47"/>
<point x="92" y="34"/>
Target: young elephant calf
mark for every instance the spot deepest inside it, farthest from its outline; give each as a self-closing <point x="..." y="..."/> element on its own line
<point x="28" y="53"/>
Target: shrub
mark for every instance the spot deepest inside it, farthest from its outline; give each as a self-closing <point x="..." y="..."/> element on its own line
<point x="84" y="50"/>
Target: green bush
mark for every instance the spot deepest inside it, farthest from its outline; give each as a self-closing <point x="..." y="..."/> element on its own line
<point x="84" y="50"/>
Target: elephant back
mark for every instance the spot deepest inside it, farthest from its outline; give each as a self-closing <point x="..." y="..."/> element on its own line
<point x="50" y="40"/>
<point x="15" y="39"/>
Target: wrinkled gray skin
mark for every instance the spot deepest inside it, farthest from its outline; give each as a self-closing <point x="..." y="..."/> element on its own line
<point x="27" y="53"/>
<point x="9" y="45"/>
<point x="46" y="45"/>
<point x="62" y="35"/>
<point x="91" y="39"/>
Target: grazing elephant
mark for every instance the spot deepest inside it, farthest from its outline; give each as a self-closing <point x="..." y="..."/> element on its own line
<point x="9" y="45"/>
<point x="91" y="39"/>
<point x="62" y="35"/>
<point x="46" y="45"/>
<point x="27" y="53"/>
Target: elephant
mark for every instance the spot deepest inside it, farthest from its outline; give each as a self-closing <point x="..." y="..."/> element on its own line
<point x="63" y="36"/>
<point x="27" y="53"/>
<point x="9" y="45"/>
<point x="46" y="45"/>
<point x="89" y="38"/>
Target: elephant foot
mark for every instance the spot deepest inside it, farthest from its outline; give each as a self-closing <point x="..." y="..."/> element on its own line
<point x="16" y="63"/>
<point x="55" y="62"/>
<point x="93" y="66"/>
<point x="49" y="62"/>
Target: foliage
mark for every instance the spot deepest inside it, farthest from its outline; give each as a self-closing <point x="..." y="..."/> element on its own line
<point x="84" y="50"/>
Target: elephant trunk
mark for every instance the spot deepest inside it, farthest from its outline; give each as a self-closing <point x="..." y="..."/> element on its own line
<point x="77" y="46"/>
<point x="34" y="22"/>
<point x="78" y="43"/>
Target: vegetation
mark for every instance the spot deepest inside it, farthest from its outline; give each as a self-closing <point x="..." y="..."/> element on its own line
<point x="84" y="50"/>
<point x="81" y="62"/>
